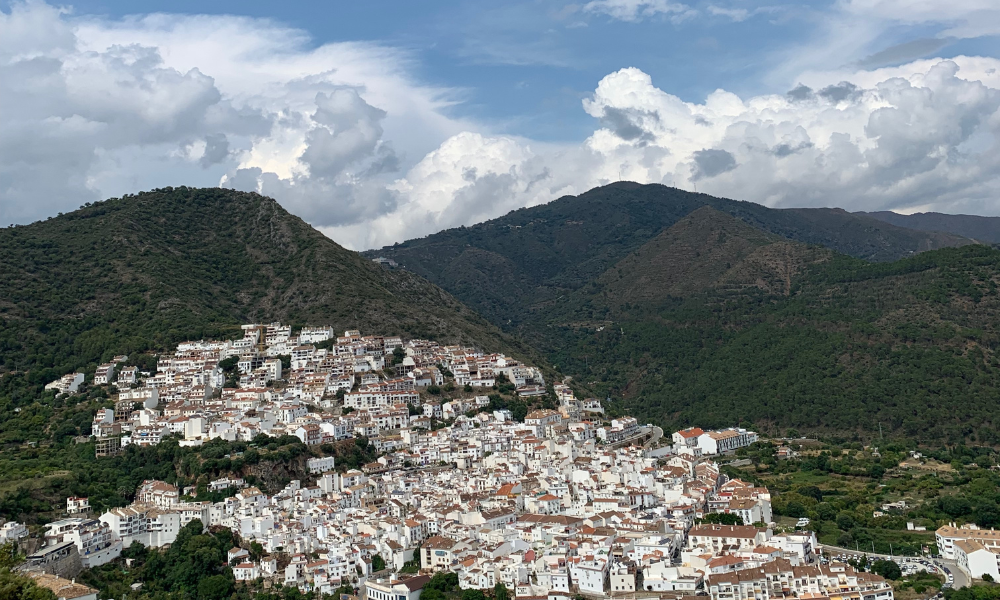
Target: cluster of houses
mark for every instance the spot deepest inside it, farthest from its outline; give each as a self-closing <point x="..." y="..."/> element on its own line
<point x="976" y="550"/>
<point x="542" y="507"/>
<point x="563" y="503"/>
<point x="287" y="384"/>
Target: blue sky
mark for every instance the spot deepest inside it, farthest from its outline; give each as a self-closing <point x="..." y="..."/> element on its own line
<point x="525" y="66"/>
<point x="381" y="121"/>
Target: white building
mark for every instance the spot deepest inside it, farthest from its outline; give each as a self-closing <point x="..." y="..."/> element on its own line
<point x="725" y="440"/>
<point x="590" y="574"/>
<point x="67" y="384"/>
<point x="320" y="465"/>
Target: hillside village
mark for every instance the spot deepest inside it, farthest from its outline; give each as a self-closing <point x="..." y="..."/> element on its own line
<point x="554" y="503"/>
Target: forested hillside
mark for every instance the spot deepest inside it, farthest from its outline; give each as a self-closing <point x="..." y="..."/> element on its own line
<point x="847" y="348"/>
<point x="505" y="267"/>
<point x="144" y="271"/>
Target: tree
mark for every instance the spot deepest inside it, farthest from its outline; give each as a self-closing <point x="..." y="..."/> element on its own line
<point x="987" y="514"/>
<point x="14" y="586"/>
<point x="722" y="519"/>
<point x="216" y="587"/>
<point x="500" y="592"/>
<point x="378" y="563"/>
<point x="954" y="506"/>
<point x="9" y="556"/>
<point x="795" y="509"/>
<point x="825" y="512"/>
<point x="473" y="595"/>
<point x="987" y="578"/>
<point x="256" y="551"/>
<point x="845" y="521"/>
<point x="812" y="491"/>
<point x="887" y="568"/>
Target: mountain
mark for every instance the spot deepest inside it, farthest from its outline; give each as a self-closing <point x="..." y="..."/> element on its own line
<point x="507" y="267"/>
<point x="145" y="271"/>
<point x="716" y="323"/>
<point x="706" y="250"/>
<point x="684" y="309"/>
<point x="983" y="229"/>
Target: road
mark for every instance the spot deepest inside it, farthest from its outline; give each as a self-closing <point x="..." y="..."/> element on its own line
<point x="657" y="434"/>
<point x="960" y="578"/>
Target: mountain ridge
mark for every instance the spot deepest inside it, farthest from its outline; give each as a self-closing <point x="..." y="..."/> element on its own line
<point x="533" y="255"/>
<point x="983" y="229"/>
<point x="138" y="272"/>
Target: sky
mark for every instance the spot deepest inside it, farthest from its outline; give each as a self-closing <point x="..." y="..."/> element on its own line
<point x="382" y="121"/>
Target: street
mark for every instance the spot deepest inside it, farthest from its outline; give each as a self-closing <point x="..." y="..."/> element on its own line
<point x="960" y="578"/>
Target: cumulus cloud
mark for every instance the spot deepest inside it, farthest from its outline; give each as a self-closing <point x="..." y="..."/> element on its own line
<point x="95" y="108"/>
<point x="920" y="136"/>
<point x="341" y="135"/>
<point x="712" y="162"/>
<point x="343" y="157"/>
<point x="67" y="111"/>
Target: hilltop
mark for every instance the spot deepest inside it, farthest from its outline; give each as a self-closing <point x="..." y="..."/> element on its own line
<point x="983" y="229"/>
<point x="144" y="271"/>
<point x="685" y="309"/>
<point x="509" y="266"/>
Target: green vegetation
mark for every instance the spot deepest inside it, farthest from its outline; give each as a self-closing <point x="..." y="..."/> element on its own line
<point x="145" y="271"/>
<point x="690" y="310"/>
<point x="525" y="261"/>
<point x="13" y="585"/>
<point x="908" y="347"/>
<point x="138" y="274"/>
<point x="193" y="567"/>
<point x="917" y="584"/>
<point x="36" y="482"/>
<point x="858" y="499"/>
<point x="721" y="519"/>
<point x="973" y="592"/>
<point x="887" y="568"/>
<point x="135" y="275"/>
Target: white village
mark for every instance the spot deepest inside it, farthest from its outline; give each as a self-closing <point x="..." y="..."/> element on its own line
<point x="555" y="503"/>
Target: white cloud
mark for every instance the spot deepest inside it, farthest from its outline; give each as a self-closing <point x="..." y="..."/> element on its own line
<point x="961" y="18"/>
<point x="919" y="135"/>
<point x="740" y="13"/>
<point x="637" y="10"/>
<point x="345" y="138"/>
<point x="95" y="108"/>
